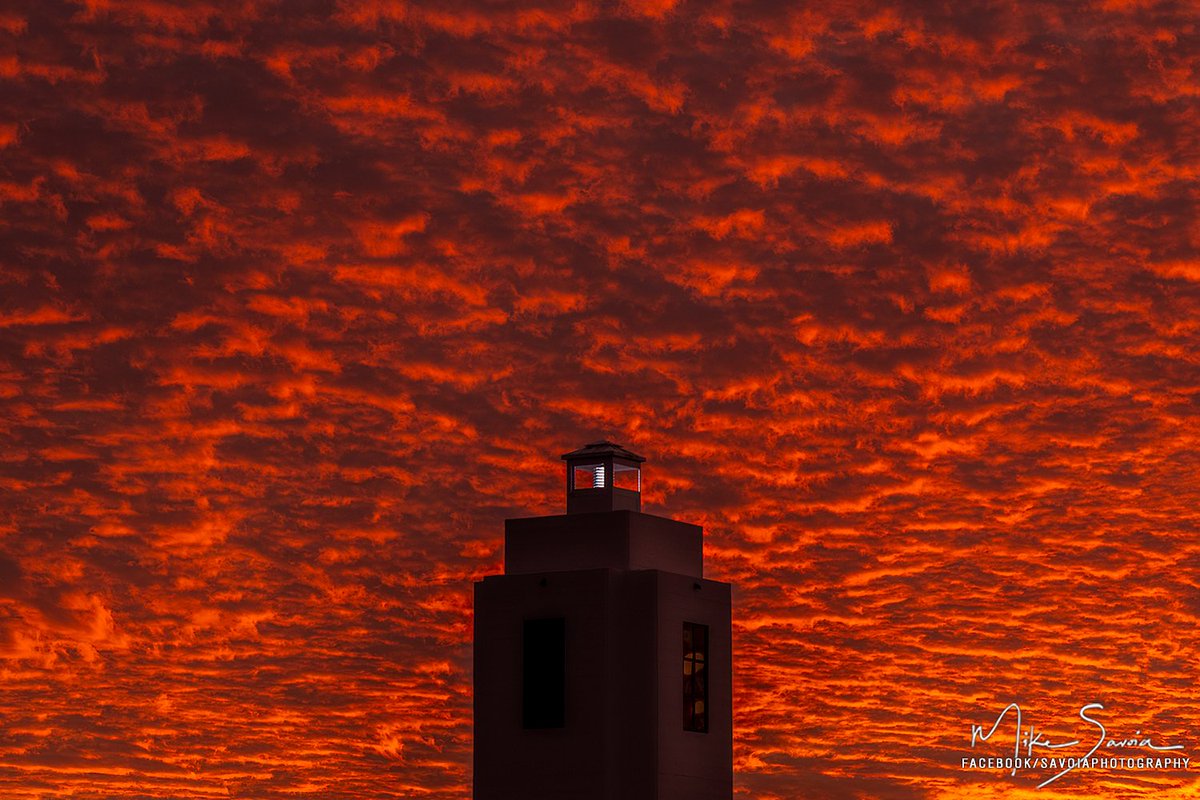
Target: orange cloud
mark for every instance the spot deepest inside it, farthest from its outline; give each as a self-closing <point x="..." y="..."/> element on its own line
<point x="296" y="308"/>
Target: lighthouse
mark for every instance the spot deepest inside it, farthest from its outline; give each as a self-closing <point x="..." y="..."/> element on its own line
<point x="603" y="657"/>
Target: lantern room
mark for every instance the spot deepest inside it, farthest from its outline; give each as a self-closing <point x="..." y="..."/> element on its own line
<point x="603" y="476"/>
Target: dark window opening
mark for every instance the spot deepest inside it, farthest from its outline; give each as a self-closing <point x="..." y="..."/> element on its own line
<point x="695" y="677"/>
<point x="544" y="673"/>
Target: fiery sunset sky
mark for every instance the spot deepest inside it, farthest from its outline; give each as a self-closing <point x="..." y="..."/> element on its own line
<point x="300" y="300"/>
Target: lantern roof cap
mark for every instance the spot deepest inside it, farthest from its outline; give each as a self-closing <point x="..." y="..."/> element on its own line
<point x="602" y="449"/>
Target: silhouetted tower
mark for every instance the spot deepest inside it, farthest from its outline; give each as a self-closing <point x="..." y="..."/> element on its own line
<point x="602" y="655"/>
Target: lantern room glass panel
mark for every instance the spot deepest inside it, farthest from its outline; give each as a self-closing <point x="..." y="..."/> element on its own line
<point x="588" y="476"/>
<point x="627" y="477"/>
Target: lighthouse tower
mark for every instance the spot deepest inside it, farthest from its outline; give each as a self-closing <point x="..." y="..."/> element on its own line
<point x="602" y="655"/>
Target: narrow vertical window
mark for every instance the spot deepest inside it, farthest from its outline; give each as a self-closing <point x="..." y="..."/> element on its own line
<point x="695" y="677"/>
<point x="544" y="673"/>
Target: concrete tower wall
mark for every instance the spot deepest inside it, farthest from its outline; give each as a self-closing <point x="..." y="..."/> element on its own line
<point x="623" y="737"/>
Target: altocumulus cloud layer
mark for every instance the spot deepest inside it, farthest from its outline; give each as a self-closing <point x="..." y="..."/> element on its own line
<point x="299" y="300"/>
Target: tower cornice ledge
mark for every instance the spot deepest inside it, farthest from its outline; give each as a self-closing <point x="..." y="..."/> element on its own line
<point x="622" y="540"/>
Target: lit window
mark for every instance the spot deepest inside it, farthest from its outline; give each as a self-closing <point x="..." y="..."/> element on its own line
<point x="695" y="677"/>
